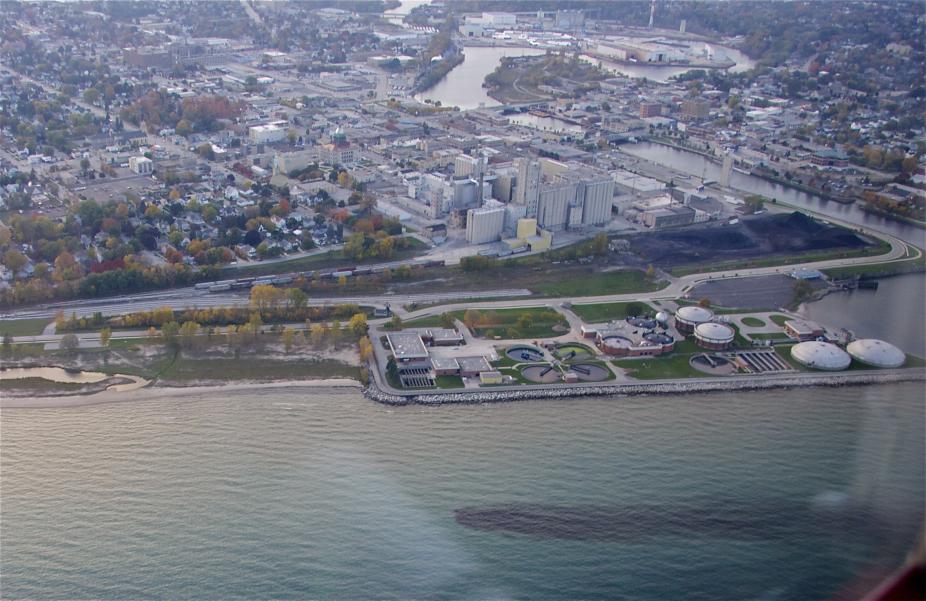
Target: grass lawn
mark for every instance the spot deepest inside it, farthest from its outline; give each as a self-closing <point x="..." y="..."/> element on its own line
<point x="878" y="269"/>
<point x="607" y="311"/>
<point x="430" y="321"/>
<point x="753" y="322"/>
<point x="24" y="327"/>
<point x="612" y="282"/>
<point x="657" y="368"/>
<point x="449" y="382"/>
<point x="769" y="336"/>
<point x="504" y="322"/>
<point x="914" y="361"/>
<point x="779" y="320"/>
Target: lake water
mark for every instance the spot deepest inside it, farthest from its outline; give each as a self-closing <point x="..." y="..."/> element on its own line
<point x="322" y="494"/>
<point x="462" y="87"/>
<point x="698" y="165"/>
<point x="890" y="312"/>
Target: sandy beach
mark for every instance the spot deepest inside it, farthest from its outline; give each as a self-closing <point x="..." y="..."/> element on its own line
<point x="152" y="393"/>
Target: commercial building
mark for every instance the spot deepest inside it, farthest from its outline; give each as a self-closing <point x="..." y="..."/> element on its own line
<point x="266" y="134"/>
<point x="141" y="165"/>
<point x="408" y="350"/>
<point x="669" y="217"/>
<point x="650" y="109"/>
<point x="803" y="330"/>
<point x="485" y="224"/>
<point x="499" y="20"/>
<point x="696" y="109"/>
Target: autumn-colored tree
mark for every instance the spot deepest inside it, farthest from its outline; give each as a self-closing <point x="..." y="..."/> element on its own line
<point x="288" y="336"/>
<point x="366" y="348"/>
<point x="705" y="302"/>
<point x="265" y="297"/>
<point x="358" y="324"/>
<point x="105" y="335"/>
<point x="67" y="267"/>
<point x="14" y="260"/>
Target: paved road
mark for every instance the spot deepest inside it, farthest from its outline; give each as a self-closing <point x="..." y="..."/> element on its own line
<point x="198" y="299"/>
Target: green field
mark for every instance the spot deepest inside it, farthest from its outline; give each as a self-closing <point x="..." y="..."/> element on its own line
<point x="504" y="323"/>
<point x="658" y="368"/>
<point x="24" y="327"/>
<point x="611" y="282"/>
<point x="449" y="382"/>
<point x="770" y="336"/>
<point x="607" y="311"/>
<point x="753" y="322"/>
<point x="779" y="320"/>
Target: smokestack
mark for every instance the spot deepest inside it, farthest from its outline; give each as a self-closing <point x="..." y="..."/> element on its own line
<point x="652" y="13"/>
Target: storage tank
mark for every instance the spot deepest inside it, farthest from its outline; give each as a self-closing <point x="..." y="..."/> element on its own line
<point x="820" y="355"/>
<point x="876" y="353"/>
<point x="714" y="336"/>
<point x="687" y="318"/>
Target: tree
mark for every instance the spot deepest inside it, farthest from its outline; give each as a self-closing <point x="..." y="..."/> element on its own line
<point x="91" y="95"/>
<point x="69" y="342"/>
<point x="7" y="342"/>
<point x="265" y="297"/>
<point x="395" y="323"/>
<point x="705" y="302"/>
<point x="288" y="336"/>
<point x="14" y="260"/>
<point x="84" y="165"/>
<point x="358" y="324"/>
<point x="366" y="348"/>
<point x="67" y="267"/>
<point x="105" y="335"/>
<point x="650" y="272"/>
<point x="169" y="333"/>
<point x="296" y="298"/>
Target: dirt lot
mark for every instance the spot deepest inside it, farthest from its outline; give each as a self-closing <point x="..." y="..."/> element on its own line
<point x="759" y="237"/>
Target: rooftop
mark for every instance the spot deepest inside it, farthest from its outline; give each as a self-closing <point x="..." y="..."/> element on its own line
<point x="407" y="345"/>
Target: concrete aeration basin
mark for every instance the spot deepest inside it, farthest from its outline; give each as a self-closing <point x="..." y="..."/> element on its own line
<point x="588" y="372"/>
<point x="644" y="323"/>
<point x="541" y="374"/>
<point x="525" y="353"/>
<point x="714" y="365"/>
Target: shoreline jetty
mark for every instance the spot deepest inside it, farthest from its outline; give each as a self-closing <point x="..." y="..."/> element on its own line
<point x="373" y="392"/>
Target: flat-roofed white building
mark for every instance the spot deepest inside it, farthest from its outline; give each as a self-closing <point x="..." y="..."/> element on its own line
<point x="266" y="134"/>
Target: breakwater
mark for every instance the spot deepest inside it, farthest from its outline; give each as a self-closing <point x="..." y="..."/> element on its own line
<point x="689" y="386"/>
